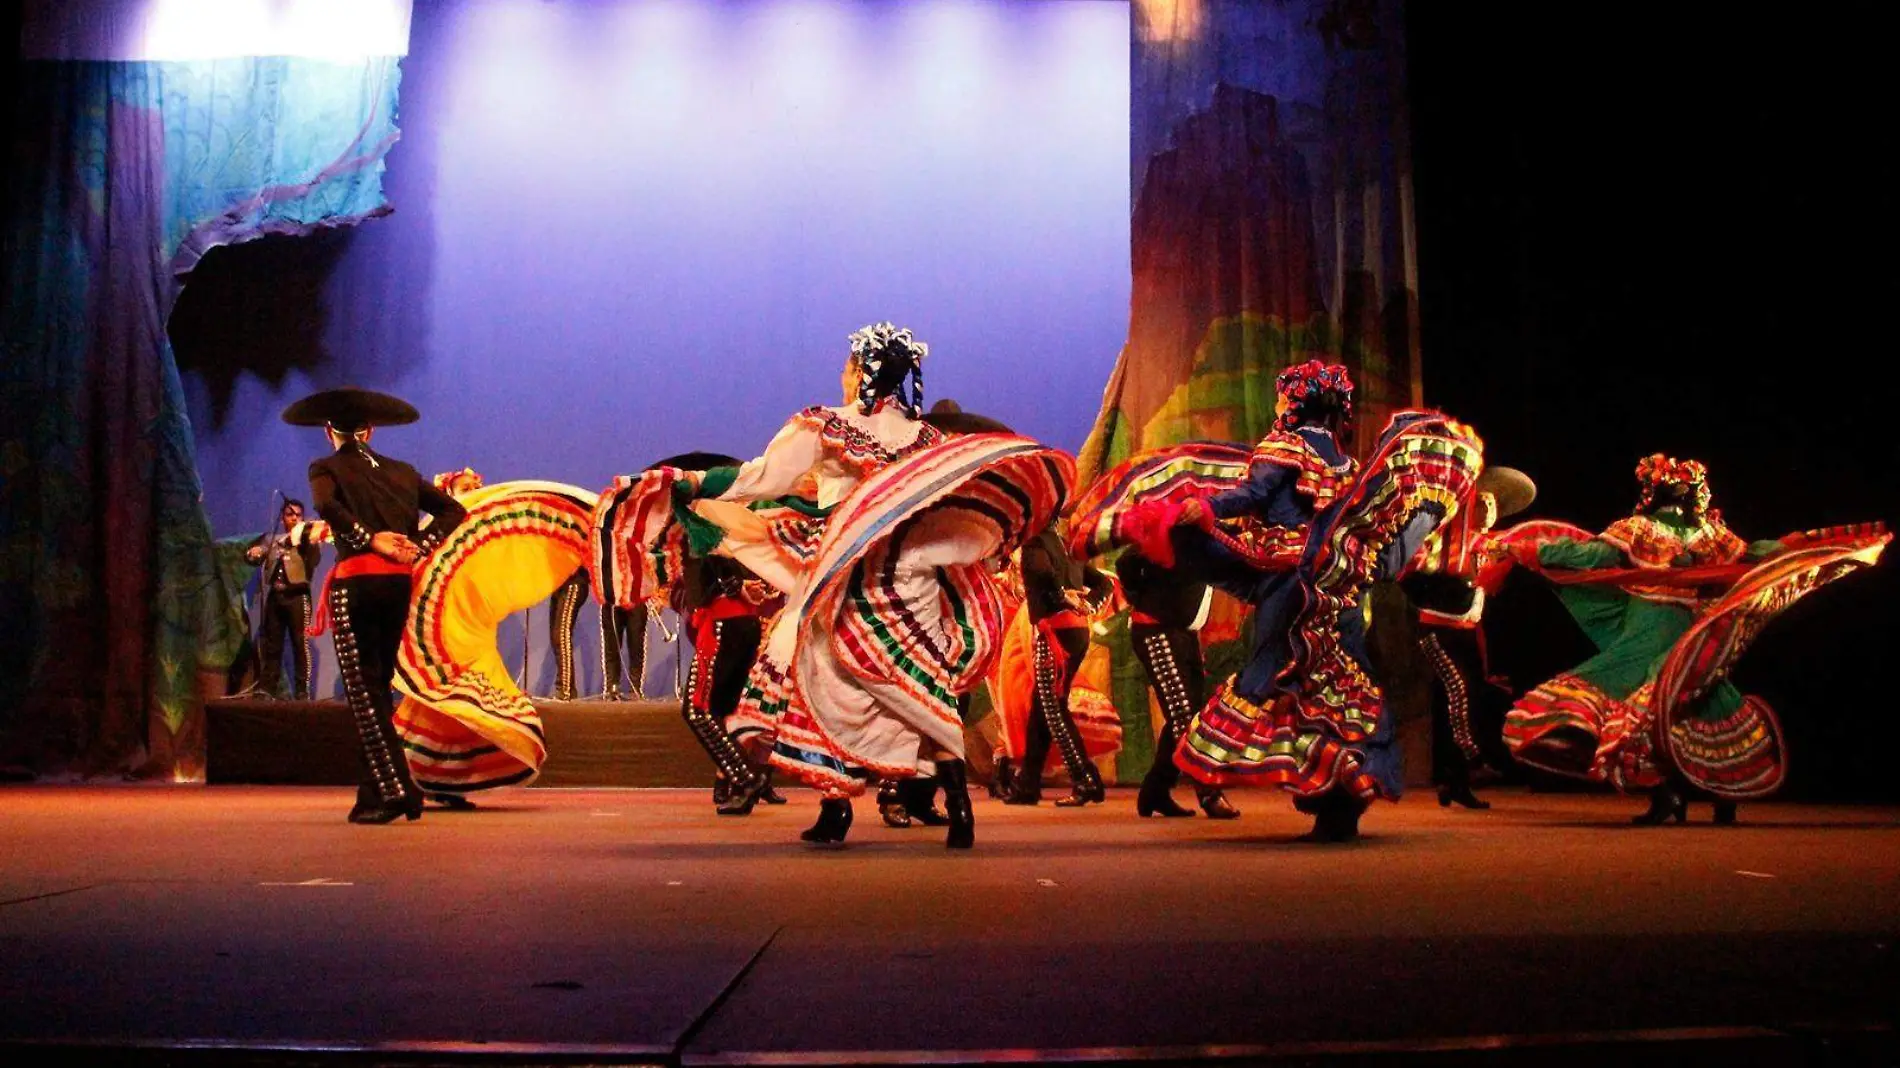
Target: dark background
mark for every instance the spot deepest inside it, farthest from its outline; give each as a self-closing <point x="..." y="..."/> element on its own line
<point x="1646" y="231"/>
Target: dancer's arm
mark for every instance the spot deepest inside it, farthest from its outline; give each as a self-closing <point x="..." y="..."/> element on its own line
<point x="793" y="452"/>
<point x="445" y="512"/>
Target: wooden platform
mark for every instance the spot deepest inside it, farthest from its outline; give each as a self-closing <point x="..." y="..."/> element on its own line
<point x="224" y="926"/>
<point x="590" y="743"/>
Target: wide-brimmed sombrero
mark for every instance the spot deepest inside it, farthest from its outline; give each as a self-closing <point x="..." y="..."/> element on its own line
<point x="1513" y="489"/>
<point x="697" y="461"/>
<point x="350" y="408"/>
<point x="946" y="415"/>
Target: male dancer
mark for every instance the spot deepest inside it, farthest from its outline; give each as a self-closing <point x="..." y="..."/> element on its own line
<point x="284" y="603"/>
<point x="371" y="503"/>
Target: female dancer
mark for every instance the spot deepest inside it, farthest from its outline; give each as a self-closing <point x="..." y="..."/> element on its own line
<point x="1304" y="714"/>
<point x="1671" y="597"/>
<point x="878" y="531"/>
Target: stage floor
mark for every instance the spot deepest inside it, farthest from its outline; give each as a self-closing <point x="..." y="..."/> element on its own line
<point x="636" y="927"/>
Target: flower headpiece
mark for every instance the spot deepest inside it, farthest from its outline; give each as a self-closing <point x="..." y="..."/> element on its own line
<point x="1306" y="384"/>
<point x="1656" y="471"/>
<point x="889" y="356"/>
<point x="456" y="483"/>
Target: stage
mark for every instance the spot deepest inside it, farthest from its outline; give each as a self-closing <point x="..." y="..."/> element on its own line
<point x="253" y="925"/>
<point x="592" y="742"/>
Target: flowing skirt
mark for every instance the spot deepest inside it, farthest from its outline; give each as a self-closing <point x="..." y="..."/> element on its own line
<point x="900" y="615"/>
<point x="1655" y="698"/>
<point x="464" y="724"/>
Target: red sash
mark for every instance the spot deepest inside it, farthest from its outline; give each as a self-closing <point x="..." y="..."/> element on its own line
<point x="354" y="567"/>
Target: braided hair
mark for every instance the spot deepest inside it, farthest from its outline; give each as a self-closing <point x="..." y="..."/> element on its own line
<point x="890" y="359"/>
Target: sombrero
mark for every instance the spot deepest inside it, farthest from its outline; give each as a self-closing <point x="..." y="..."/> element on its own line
<point x="1513" y="489"/>
<point x="946" y="415"/>
<point x="698" y="461"/>
<point x="350" y="408"/>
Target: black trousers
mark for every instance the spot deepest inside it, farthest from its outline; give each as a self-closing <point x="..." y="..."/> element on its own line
<point x="1465" y="708"/>
<point x="286" y="618"/>
<point x="1050" y="721"/>
<point x="623" y="628"/>
<point x="728" y="661"/>
<point x="366" y="618"/>
<point x="1172" y="658"/>
<point x="564" y="610"/>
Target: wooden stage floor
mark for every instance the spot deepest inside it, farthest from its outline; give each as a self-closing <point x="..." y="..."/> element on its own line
<point x="253" y="925"/>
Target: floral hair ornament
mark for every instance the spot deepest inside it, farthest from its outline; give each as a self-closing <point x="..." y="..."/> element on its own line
<point x="455" y="483"/>
<point x="876" y="348"/>
<point x="1305" y="384"/>
<point x="1656" y="471"/>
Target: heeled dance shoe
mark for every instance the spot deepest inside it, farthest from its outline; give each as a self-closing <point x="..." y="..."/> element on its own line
<point x="1665" y="804"/>
<point x="1214" y="803"/>
<point x="1725" y="813"/>
<point x="1157" y="799"/>
<point x="919" y="796"/>
<point x="1460" y="794"/>
<point x="770" y="794"/>
<point x="379" y="812"/>
<point x="1088" y="793"/>
<point x="956" y="804"/>
<point x="890" y="806"/>
<point x="834" y="822"/>
<point x="740" y="800"/>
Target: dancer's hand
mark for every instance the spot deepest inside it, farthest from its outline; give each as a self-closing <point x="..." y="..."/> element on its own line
<point x="393" y="546"/>
<point x="1191" y="513"/>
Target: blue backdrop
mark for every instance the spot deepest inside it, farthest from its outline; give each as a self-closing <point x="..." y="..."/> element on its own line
<point x="626" y="229"/>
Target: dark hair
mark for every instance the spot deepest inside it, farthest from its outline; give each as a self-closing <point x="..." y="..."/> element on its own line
<point x="1329" y="411"/>
<point x="889" y="357"/>
<point x="292" y="502"/>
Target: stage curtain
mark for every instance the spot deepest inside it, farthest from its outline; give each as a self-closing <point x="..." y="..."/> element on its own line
<point x="1272" y="202"/>
<point x="125" y="173"/>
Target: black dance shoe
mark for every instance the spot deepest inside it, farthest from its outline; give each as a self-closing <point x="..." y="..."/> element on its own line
<point x="1725" y="813"/>
<point x="956" y="803"/>
<point x="1089" y="793"/>
<point x="1003" y="779"/>
<point x="834" y="821"/>
<point x="890" y="805"/>
<point x="1157" y="799"/>
<point x="1665" y="804"/>
<point x="740" y="800"/>
<point x="455" y="802"/>
<point x="1335" y="818"/>
<point x="1460" y="794"/>
<point x="1215" y="804"/>
<point x="919" y="796"/>
<point x="386" y="811"/>
<point x="769" y="795"/>
<point x="722" y="790"/>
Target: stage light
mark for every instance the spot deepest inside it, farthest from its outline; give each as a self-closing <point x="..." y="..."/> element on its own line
<point x="1168" y="20"/>
<point x="181" y="30"/>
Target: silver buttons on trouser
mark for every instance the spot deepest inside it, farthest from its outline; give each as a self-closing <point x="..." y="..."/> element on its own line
<point x="1457" y="695"/>
<point x="377" y="751"/>
<point x="1052" y="701"/>
<point x="1164" y="672"/>
<point x="710" y="733"/>
<point x="567" y="607"/>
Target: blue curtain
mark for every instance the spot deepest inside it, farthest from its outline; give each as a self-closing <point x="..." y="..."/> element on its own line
<point x="111" y="600"/>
